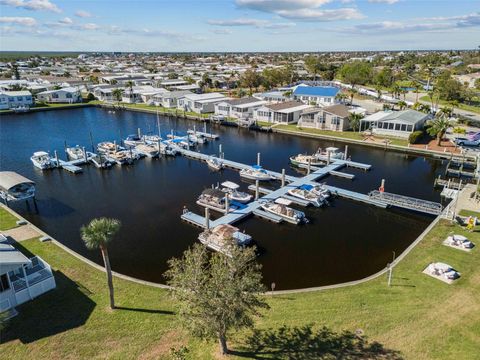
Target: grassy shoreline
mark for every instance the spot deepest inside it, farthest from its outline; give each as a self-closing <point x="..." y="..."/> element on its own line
<point x="419" y="316"/>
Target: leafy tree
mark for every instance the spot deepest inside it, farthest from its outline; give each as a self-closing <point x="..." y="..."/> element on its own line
<point x="218" y="293"/>
<point x="439" y="126"/>
<point x="97" y="235"/>
<point x="402" y="104"/>
<point x="384" y="77"/>
<point x="477" y="84"/>
<point x="341" y="97"/>
<point x="16" y="74"/>
<point x="90" y="97"/>
<point x="250" y="79"/>
<point x="356" y="73"/>
<point x="313" y="65"/>
<point x="172" y="76"/>
<point x="448" y="88"/>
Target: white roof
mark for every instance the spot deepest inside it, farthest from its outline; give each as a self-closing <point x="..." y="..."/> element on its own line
<point x="9" y="179"/>
<point x="207" y="96"/>
<point x="283" y="201"/>
<point x="11" y="258"/>
<point x="17" y="93"/>
<point x="230" y="185"/>
<point x="293" y="109"/>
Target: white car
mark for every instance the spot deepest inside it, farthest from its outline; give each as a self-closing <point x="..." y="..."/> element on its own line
<point x="467" y="142"/>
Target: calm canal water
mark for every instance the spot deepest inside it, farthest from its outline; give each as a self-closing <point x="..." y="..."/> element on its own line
<point x="343" y="242"/>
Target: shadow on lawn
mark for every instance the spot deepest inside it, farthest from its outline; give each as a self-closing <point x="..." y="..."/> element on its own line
<point x="301" y="343"/>
<point x="149" y="311"/>
<point x="67" y="307"/>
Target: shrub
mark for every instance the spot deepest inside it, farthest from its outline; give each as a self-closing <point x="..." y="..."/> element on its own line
<point x="415" y="137"/>
<point x="90" y="97"/>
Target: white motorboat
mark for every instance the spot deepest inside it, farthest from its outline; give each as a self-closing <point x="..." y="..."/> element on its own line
<point x="214" y="163"/>
<point x="75" y="153"/>
<point x="231" y="189"/>
<point x="215" y="199"/>
<point x="148" y="150"/>
<point x="321" y="190"/>
<point x="151" y="139"/>
<point x="41" y="160"/>
<point x="280" y="208"/>
<point x="222" y="237"/>
<point x="307" y="193"/>
<point x="197" y="139"/>
<point x="133" y="140"/>
<point x="100" y="161"/>
<point x="318" y="158"/>
<point x="256" y="172"/>
<point x="108" y="147"/>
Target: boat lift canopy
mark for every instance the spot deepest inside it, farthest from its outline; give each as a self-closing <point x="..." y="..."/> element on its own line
<point x="230" y="185"/>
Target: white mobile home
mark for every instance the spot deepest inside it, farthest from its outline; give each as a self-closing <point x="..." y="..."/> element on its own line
<point x="200" y="103"/>
<point x="283" y="113"/>
<point x="65" y="95"/>
<point x="15" y="99"/>
<point x="169" y="99"/>
<point x="238" y="108"/>
<point x="395" y="123"/>
<point x="21" y="279"/>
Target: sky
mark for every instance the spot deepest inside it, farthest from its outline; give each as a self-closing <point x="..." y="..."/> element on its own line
<point x="238" y="25"/>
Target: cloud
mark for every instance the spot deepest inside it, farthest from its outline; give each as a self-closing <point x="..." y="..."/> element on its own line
<point x="238" y="22"/>
<point x="302" y="10"/>
<point x="83" y="14"/>
<point x="34" y="5"/>
<point x="390" y="2"/>
<point x="22" y="21"/>
<point x="66" y="21"/>
<point x="221" y="31"/>
<point x="89" y="26"/>
<point x="417" y="25"/>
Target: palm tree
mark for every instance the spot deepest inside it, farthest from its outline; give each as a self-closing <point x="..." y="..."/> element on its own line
<point x="402" y="104"/>
<point x="117" y="94"/>
<point x="353" y="91"/>
<point x="417" y="87"/>
<point x="425" y="108"/>
<point x="97" y="235"/>
<point x="378" y="89"/>
<point x="355" y="120"/>
<point x="439" y="126"/>
<point x="341" y="97"/>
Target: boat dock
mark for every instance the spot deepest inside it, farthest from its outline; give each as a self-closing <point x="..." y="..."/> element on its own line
<point x="406" y="202"/>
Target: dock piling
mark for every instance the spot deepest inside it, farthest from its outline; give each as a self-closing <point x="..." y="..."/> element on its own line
<point x="56" y="158"/>
<point x="205" y="127"/>
<point x="328" y="157"/>
<point x="220" y="151"/>
<point x="258" y="159"/>
<point x="91" y="142"/>
<point x="283" y="177"/>
<point x="345" y="155"/>
<point x="139" y="133"/>
<point x="85" y="154"/>
<point x="257" y="192"/>
<point x="309" y="165"/>
<point x="207" y="218"/>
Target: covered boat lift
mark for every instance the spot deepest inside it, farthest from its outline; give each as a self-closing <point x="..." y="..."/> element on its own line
<point x="15" y="187"/>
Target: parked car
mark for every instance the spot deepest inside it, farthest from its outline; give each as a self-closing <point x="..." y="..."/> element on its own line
<point x="467" y="142"/>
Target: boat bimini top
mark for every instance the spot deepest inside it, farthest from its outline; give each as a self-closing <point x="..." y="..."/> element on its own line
<point x="230" y="185"/>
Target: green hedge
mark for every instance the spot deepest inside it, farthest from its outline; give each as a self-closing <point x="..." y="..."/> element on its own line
<point x="415" y="137"/>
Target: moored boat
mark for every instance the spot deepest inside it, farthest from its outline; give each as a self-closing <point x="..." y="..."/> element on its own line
<point x="214" y="163"/>
<point x="280" y="208"/>
<point x="215" y="199"/>
<point x="133" y="140"/>
<point x="148" y="150"/>
<point x="231" y="189"/>
<point x="42" y="160"/>
<point x="307" y="193"/>
<point x="222" y="237"/>
<point x="75" y="153"/>
<point x="256" y="172"/>
<point x="318" y="158"/>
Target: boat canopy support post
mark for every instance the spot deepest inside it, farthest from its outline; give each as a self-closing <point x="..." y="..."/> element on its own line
<point x="139" y="132"/>
<point x="220" y="151"/>
<point x="205" y="127"/>
<point x="65" y="148"/>
<point x="207" y="218"/>
<point x="91" y="142"/>
<point x="56" y="158"/>
<point x="227" y="205"/>
<point x="84" y="154"/>
<point x="309" y="165"/>
<point x="328" y="157"/>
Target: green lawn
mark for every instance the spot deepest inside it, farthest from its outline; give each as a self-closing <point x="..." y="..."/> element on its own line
<point x="7" y="220"/>
<point x="339" y="134"/>
<point x="466" y="107"/>
<point x="419" y="316"/>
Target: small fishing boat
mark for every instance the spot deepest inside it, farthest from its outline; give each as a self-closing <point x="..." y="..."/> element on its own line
<point x="100" y="161"/>
<point x="222" y="237"/>
<point x="41" y="160"/>
<point x="108" y="147"/>
<point x="231" y="189"/>
<point x="256" y="172"/>
<point x="306" y="192"/>
<point x="320" y="190"/>
<point x="133" y="140"/>
<point x="214" y="163"/>
<point x="122" y="157"/>
<point x="197" y="139"/>
<point x="148" y="150"/>
<point x="215" y="199"/>
<point x="151" y="139"/>
<point x="280" y="208"/>
<point x="318" y="158"/>
<point x="75" y="153"/>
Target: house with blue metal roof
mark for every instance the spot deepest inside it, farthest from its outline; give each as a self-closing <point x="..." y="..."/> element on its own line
<point x="316" y="95"/>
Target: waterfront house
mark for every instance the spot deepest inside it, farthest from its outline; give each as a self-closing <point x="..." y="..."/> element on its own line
<point x="316" y="95"/>
<point x="238" y="108"/>
<point x="395" y="123"/>
<point x="67" y="95"/>
<point x="15" y="99"/>
<point x="200" y="103"/>
<point x="21" y="278"/>
<point x="272" y="96"/>
<point x="333" y="118"/>
<point x="280" y="113"/>
<point x="169" y="99"/>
